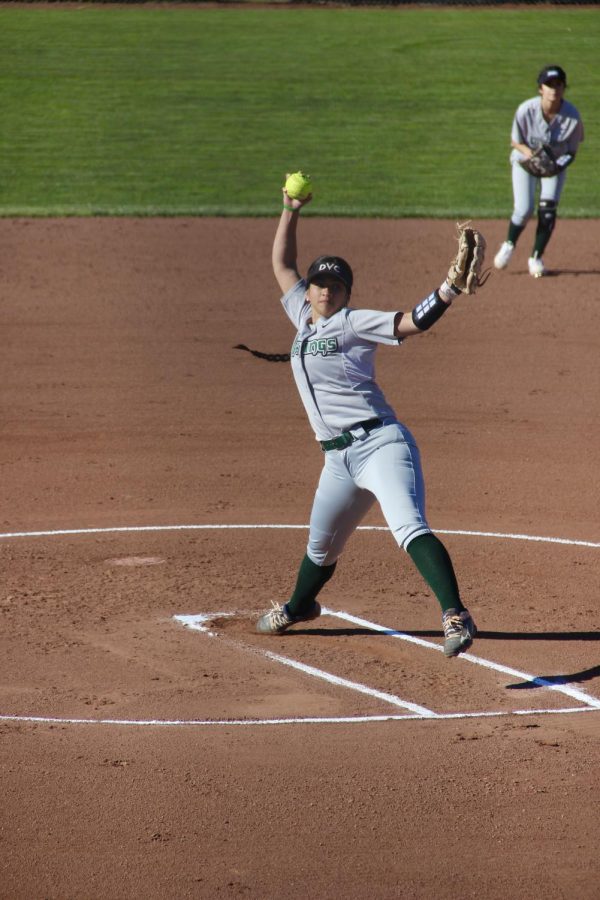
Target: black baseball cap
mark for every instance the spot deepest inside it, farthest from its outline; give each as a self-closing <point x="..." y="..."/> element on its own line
<point x="334" y="266"/>
<point x="550" y="72"/>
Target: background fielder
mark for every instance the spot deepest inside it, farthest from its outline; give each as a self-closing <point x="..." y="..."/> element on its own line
<point x="550" y="121"/>
<point x="369" y="454"/>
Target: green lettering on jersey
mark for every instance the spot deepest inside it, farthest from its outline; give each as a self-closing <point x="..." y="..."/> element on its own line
<point x="315" y="347"/>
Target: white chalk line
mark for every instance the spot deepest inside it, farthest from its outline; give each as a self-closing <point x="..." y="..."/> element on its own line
<point x="197" y="623"/>
<point x="299" y="720"/>
<point x="591" y="703"/>
<point x="352" y="685"/>
<point x="574" y="693"/>
<point x="146" y="528"/>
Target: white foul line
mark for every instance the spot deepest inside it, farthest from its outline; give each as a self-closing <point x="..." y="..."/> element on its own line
<point x="521" y="537"/>
<point x="575" y="693"/>
<point x="142" y="528"/>
<point x="196" y="623"/>
<point x="591" y="703"/>
<point x="422" y="711"/>
<point x="299" y="720"/>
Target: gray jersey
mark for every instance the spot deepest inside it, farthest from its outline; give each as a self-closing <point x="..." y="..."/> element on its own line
<point x="564" y="133"/>
<point x="333" y="363"/>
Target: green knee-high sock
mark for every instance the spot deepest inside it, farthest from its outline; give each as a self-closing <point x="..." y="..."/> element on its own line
<point x="514" y="232"/>
<point x="433" y="562"/>
<point x="311" y="579"/>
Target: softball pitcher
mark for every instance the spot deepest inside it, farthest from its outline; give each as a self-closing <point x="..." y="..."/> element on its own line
<point x="548" y="128"/>
<point x="369" y="454"/>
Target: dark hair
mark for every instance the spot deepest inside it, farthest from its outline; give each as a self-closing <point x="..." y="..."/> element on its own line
<point x="270" y="357"/>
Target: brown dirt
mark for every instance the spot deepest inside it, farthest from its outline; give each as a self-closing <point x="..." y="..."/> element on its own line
<point x="124" y="404"/>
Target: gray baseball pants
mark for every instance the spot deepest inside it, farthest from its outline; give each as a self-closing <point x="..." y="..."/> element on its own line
<point x="385" y="466"/>
<point x="524" y="188"/>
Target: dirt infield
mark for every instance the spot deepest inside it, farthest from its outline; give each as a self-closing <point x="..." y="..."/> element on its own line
<point x="145" y="756"/>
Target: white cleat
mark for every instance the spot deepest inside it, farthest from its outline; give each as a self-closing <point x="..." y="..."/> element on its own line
<point x="502" y="257"/>
<point x="536" y="267"/>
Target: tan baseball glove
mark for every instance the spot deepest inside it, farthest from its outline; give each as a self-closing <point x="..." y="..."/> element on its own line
<point x="466" y="271"/>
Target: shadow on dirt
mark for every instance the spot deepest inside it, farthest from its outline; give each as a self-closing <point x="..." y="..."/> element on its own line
<point x="538" y="682"/>
<point x="572" y="272"/>
<point x="574" y="677"/>
<point x="485" y="635"/>
<point x="555" y="273"/>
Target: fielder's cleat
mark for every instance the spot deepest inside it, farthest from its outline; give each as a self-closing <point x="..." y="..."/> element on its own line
<point x="278" y="619"/>
<point x="459" y="631"/>
<point x="536" y="267"/>
<point x="502" y="257"/>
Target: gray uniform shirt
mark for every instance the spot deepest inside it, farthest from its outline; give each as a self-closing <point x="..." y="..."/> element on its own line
<point x="564" y="133"/>
<point x="333" y="363"/>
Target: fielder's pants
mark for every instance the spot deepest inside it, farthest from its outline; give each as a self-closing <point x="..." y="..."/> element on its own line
<point x="524" y="187"/>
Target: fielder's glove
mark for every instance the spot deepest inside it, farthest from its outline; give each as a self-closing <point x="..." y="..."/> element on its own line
<point x="543" y="163"/>
<point x="466" y="270"/>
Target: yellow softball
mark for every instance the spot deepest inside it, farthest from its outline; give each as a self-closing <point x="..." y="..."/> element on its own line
<point x="298" y="186"/>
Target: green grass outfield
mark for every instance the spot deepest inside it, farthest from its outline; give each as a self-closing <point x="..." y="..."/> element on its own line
<point x="201" y="111"/>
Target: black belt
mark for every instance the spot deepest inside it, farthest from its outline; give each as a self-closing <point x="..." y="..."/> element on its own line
<point x="346" y="437"/>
